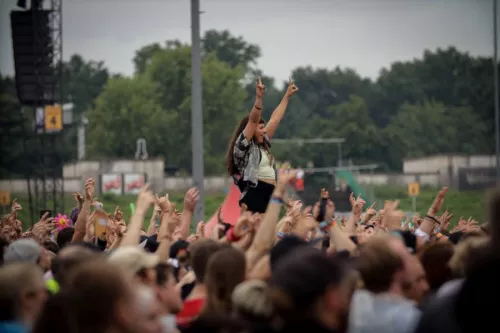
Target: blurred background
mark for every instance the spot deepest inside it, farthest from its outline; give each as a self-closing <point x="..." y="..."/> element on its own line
<point x="397" y="97"/>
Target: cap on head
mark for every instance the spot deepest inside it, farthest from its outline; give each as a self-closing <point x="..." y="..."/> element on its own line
<point x="23" y="250"/>
<point x="133" y="258"/>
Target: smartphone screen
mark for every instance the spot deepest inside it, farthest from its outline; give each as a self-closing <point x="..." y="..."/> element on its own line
<point x="42" y="212"/>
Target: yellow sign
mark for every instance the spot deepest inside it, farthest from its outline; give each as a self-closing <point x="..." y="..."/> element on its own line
<point x="4" y="198"/>
<point x="53" y="118"/>
<point x="413" y="189"/>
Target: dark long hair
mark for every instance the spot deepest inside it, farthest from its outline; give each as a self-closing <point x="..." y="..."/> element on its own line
<point x="231" y="167"/>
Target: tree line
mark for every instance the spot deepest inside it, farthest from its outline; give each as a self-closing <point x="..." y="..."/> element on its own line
<point x="439" y="103"/>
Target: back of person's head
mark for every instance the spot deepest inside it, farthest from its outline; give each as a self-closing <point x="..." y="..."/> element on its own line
<point x="251" y="301"/>
<point x="226" y="268"/>
<point x="65" y="236"/>
<point x="378" y="264"/>
<point x="20" y="283"/>
<point x="96" y="294"/>
<point x="69" y="258"/>
<point x="467" y="253"/>
<point x="200" y="252"/>
<point x="434" y="259"/>
<point x="304" y="281"/>
<point x="51" y="246"/>
<point x="23" y="250"/>
<point x="55" y="316"/>
<point x="283" y="247"/>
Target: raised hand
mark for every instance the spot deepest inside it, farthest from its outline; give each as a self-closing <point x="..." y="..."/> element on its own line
<point x="163" y="203"/>
<point x="392" y="215"/>
<point x="292" y="88"/>
<point x="357" y="207"/>
<point x="78" y="198"/>
<point x="144" y="199"/>
<point x="200" y="229"/>
<point x="445" y="220"/>
<point x="89" y="189"/>
<point x="118" y="215"/>
<point x="15" y="207"/>
<point x="438" y="202"/>
<point x="44" y="226"/>
<point x="191" y="199"/>
<point x="260" y="88"/>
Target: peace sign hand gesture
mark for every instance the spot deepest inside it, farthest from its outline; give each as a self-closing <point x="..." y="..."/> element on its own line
<point x="292" y="88"/>
<point x="260" y="88"/>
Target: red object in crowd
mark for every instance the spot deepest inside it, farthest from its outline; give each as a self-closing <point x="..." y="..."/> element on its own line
<point x="299" y="185"/>
<point x="191" y="309"/>
<point x="230" y="210"/>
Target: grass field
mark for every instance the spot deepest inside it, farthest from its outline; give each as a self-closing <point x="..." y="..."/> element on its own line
<point x="471" y="203"/>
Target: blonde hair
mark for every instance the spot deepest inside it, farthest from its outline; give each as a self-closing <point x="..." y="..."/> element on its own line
<point x="466" y="252"/>
<point x="251" y="298"/>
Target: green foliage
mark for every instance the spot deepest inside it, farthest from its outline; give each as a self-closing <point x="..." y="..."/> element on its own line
<point x="460" y="204"/>
<point x="440" y="103"/>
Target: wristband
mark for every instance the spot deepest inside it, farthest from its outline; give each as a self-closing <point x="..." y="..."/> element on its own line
<point x="276" y="200"/>
<point x="432" y="218"/>
<point x="231" y="237"/>
<point x="280" y="235"/>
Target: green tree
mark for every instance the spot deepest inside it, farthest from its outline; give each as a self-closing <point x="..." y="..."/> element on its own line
<point x="232" y="50"/>
<point x="156" y="105"/>
<point x="127" y="109"/>
<point x="433" y="128"/>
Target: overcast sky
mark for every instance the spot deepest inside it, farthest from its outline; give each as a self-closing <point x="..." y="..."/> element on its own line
<point x="362" y="34"/>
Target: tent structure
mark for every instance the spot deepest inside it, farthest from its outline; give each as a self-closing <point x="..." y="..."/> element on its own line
<point x="230" y="209"/>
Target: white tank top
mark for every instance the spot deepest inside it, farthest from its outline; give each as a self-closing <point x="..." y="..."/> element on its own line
<point x="266" y="170"/>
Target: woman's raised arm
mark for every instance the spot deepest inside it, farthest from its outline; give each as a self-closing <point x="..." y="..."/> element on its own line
<point x="256" y="112"/>
<point x="279" y="112"/>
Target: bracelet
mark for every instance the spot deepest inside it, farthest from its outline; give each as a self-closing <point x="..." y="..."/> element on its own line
<point x="432" y="218"/>
<point x="231" y="237"/>
<point x="276" y="200"/>
<point x="280" y="235"/>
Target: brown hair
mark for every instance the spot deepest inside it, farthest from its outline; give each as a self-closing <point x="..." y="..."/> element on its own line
<point x="95" y="287"/>
<point x="225" y="270"/>
<point x="230" y="166"/>
<point x="434" y="259"/>
<point x="201" y="251"/>
<point x="377" y="264"/>
<point x="15" y="279"/>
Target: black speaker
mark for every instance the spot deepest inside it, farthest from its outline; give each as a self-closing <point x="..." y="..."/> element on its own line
<point x="33" y="57"/>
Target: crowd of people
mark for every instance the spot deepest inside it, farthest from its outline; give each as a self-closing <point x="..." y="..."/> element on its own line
<point x="301" y="271"/>
<point x="282" y="267"/>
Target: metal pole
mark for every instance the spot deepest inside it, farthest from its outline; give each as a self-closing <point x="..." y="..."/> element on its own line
<point x="414" y="203"/>
<point x="196" y="109"/>
<point x="495" y="76"/>
<point x="339" y="162"/>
